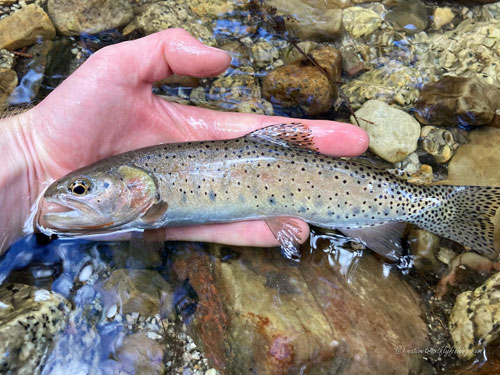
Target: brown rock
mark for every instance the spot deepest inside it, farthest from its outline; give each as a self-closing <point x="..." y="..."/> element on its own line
<point x="140" y="355"/>
<point x="457" y="101"/>
<point x="73" y="17"/>
<point x="8" y="82"/>
<point x="134" y="290"/>
<point x="262" y="314"/>
<point x="25" y="27"/>
<point x="302" y="84"/>
<point x="476" y="163"/>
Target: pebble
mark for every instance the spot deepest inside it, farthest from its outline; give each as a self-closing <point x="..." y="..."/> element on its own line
<point x="360" y="21"/>
<point x="85" y="273"/>
<point x="111" y="311"/>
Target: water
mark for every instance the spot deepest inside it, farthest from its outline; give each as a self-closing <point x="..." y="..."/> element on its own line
<point x="225" y="298"/>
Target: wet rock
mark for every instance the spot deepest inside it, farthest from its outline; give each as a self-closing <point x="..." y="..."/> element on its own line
<point x="442" y="17"/>
<point x="235" y="86"/>
<point x="304" y="85"/>
<point x="393" y="133"/>
<point x="264" y="54"/>
<point x="307" y="22"/>
<point x="438" y="142"/>
<point x="179" y="80"/>
<point x="360" y="21"/>
<point x="291" y="54"/>
<point x="258" y="106"/>
<point x="334" y="4"/>
<point x="29" y="320"/>
<point x="351" y="63"/>
<point x="212" y="8"/>
<point x="135" y="290"/>
<point x="8" y="82"/>
<point x="393" y="83"/>
<point x="456" y="52"/>
<point x="457" y="101"/>
<point x="258" y="313"/>
<point x="159" y="16"/>
<point x="423" y="176"/>
<point x="424" y="246"/>
<point x="475" y="318"/>
<point x="73" y="17"/>
<point x="476" y="163"/>
<point x="25" y="27"/>
<point x="7" y="59"/>
<point x="239" y="53"/>
<point x="139" y="354"/>
<point x="408" y="15"/>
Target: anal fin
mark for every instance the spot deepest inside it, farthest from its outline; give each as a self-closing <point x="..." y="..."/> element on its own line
<point x="287" y="230"/>
<point x="384" y="239"/>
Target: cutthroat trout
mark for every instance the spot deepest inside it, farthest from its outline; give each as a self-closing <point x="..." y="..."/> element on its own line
<point x="274" y="174"/>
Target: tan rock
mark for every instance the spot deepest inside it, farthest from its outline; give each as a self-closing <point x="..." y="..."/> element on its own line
<point x="135" y="290"/>
<point x="475" y="318"/>
<point x="442" y="16"/>
<point x="73" y="17"/>
<point x="8" y="82"/>
<point x="476" y="163"/>
<point x="259" y="313"/>
<point x="360" y="21"/>
<point x="25" y="27"/>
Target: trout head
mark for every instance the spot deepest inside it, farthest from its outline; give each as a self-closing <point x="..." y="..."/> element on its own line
<point x="96" y="199"/>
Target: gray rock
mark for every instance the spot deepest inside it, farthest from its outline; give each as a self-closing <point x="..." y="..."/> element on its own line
<point x="393" y="133"/>
<point x="29" y="320"/>
<point x="73" y="17"/>
<point x="264" y="53"/>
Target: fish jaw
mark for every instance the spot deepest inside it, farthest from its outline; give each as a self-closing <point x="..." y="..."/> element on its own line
<point x="70" y="216"/>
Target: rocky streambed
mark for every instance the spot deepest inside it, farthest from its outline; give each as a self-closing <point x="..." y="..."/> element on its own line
<point x="421" y="77"/>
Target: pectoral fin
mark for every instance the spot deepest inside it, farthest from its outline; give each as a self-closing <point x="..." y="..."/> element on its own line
<point x="384" y="239"/>
<point x="287" y="231"/>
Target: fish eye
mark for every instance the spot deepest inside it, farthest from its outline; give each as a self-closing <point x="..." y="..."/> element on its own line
<point x="80" y="186"/>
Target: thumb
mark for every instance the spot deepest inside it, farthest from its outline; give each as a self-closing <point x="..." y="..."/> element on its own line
<point x="159" y="55"/>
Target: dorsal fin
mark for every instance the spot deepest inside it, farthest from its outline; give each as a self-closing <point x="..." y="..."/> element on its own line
<point x="295" y="135"/>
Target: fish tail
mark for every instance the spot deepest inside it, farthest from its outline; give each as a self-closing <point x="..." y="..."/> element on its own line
<point x="467" y="215"/>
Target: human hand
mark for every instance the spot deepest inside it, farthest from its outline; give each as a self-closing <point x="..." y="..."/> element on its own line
<point x="107" y="107"/>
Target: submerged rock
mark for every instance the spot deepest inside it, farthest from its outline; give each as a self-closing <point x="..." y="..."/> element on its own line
<point x="393" y="83"/>
<point x="476" y="163"/>
<point x="73" y="17"/>
<point x="7" y="59"/>
<point x="393" y="133"/>
<point x="360" y="21"/>
<point x="139" y="354"/>
<point x="304" y="85"/>
<point x="408" y="15"/>
<point x="442" y="16"/>
<point x="475" y="318"/>
<point x="25" y="27"/>
<point x="259" y="313"/>
<point x="457" y="101"/>
<point x="29" y="320"/>
<point x="309" y="22"/>
<point x="163" y="15"/>
<point x="134" y="290"/>
<point x="438" y="142"/>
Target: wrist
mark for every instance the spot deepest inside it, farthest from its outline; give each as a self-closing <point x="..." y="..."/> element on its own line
<point x="21" y="175"/>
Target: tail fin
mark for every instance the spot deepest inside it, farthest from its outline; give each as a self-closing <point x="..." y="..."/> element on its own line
<point x="468" y="215"/>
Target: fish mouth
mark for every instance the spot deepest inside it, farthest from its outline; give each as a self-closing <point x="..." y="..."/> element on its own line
<point x="69" y="216"/>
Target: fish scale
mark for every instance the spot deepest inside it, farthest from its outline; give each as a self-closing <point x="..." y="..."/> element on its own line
<point x="275" y="172"/>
